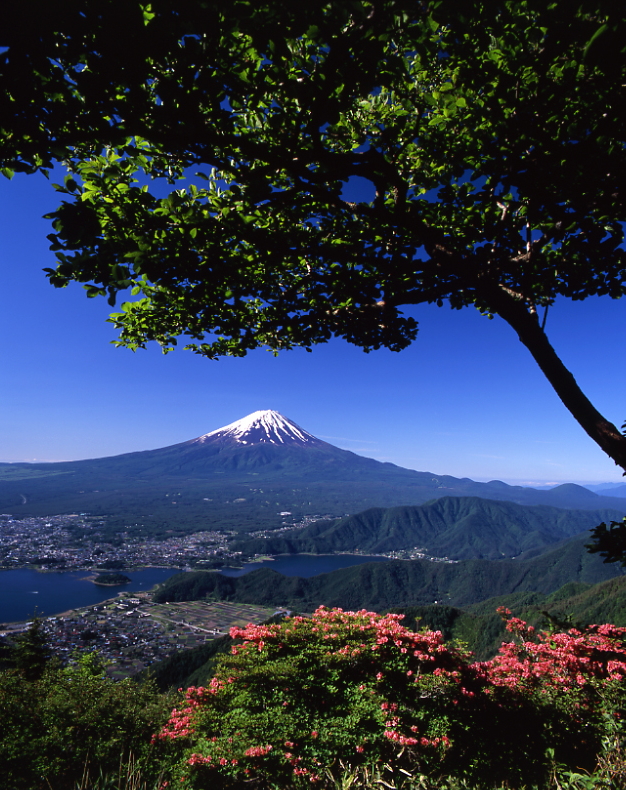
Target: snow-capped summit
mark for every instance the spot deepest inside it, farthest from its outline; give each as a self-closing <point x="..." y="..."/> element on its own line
<point x="262" y="427"/>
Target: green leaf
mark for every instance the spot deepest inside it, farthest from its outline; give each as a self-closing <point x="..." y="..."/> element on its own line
<point x="599" y="32"/>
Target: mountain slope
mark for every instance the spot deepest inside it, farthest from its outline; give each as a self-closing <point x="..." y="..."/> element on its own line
<point x="242" y="477"/>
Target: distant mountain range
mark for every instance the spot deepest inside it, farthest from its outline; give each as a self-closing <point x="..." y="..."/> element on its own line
<point x="243" y="477"/>
<point x="618" y="490"/>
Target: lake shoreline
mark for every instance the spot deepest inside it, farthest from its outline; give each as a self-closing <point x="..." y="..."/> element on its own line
<point x="26" y="592"/>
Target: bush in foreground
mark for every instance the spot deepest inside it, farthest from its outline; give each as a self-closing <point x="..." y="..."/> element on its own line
<point x="69" y="724"/>
<point x="306" y="699"/>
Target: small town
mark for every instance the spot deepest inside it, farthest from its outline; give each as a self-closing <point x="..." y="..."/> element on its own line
<point x="74" y="542"/>
<point x="130" y="633"/>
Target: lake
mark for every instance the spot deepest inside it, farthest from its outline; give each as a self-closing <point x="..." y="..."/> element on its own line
<point x="22" y="591"/>
<point x="305" y="565"/>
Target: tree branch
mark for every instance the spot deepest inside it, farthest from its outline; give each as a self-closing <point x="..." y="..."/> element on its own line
<point x="514" y="311"/>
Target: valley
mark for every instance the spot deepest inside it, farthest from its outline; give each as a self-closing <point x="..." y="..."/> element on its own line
<point x="262" y="487"/>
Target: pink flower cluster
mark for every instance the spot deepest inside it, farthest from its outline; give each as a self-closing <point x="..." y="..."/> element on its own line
<point x="403" y="740"/>
<point x="563" y="661"/>
<point x="334" y="624"/>
<point x="258" y="751"/>
<point x="181" y="722"/>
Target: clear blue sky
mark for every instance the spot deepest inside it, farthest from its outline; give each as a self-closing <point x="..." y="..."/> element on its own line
<point x="466" y="399"/>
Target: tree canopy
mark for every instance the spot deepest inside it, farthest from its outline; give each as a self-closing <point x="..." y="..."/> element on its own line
<point x="489" y="139"/>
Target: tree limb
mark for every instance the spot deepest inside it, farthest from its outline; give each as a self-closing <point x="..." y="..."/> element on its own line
<point x="515" y="313"/>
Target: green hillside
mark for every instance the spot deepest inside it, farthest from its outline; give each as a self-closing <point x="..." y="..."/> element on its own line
<point x="454" y="527"/>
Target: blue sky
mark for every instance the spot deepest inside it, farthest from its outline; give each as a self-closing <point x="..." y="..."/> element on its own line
<point x="466" y="399"/>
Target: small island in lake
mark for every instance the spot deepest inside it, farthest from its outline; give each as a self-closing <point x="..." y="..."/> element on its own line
<point x="111" y="579"/>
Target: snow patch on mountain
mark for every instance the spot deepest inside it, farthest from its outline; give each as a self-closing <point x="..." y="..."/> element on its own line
<point x="265" y="426"/>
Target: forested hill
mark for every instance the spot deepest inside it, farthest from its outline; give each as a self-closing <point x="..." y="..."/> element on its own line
<point x="383" y="585"/>
<point x="456" y="527"/>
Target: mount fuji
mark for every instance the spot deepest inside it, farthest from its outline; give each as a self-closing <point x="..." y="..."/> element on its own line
<point x="246" y="476"/>
<point x="262" y="427"/>
<point x="264" y="443"/>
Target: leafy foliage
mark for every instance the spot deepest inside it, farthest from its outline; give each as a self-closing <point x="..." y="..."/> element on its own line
<point x="31" y="651"/>
<point x="610" y="542"/>
<point x="413" y="104"/>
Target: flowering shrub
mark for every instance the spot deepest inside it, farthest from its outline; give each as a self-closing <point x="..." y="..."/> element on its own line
<point x="299" y="698"/>
<point x="562" y="662"/>
<point x="573" y="679"/>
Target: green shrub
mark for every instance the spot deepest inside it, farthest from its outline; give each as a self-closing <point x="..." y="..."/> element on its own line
<point x="72" y="722"/>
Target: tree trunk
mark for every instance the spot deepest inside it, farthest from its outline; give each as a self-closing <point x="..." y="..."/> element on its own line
<point x="516" y="314"/>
